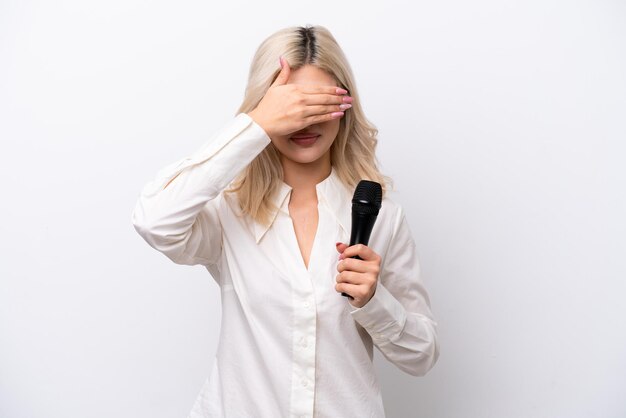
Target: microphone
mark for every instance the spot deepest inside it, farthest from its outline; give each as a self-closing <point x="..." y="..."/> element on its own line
<point x="366" y="204"/>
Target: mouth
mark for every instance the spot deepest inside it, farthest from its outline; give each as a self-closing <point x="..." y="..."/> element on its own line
<point x="305" y="140"/>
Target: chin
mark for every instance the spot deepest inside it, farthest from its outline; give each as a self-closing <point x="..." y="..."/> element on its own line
<point x="304" y="157"/>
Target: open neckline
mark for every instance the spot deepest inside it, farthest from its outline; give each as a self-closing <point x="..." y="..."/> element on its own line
<point x="315" y="238"/>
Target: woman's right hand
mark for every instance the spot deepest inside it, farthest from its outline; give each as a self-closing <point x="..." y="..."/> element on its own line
<point x="287" y="108"/>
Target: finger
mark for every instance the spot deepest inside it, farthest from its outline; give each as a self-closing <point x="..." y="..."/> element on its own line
<point x="363" y="251"/>
<point x="311" y="120"/>
<point x="285" y="70"/>
<point x="351" y="289"/>
<point x="341" y="247"/>
<point x="317" y="89"/>
<point x="325" y="99"/>
<point x="356" y="265"/>
<point x="351" y="277"/>
<point x="309" y="111"/>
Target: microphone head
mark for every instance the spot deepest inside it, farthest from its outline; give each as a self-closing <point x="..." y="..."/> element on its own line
<point x="368" y="197"/>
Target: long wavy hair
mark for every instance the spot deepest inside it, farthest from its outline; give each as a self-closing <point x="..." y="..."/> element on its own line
<point x="353" y="150"/>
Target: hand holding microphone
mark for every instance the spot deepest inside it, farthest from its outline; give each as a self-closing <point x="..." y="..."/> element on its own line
<point x="357" y="276"/>
<point x="359" y="265"/>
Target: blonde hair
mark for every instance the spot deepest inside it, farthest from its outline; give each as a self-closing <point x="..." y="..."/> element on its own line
<point x="353" y="150"/>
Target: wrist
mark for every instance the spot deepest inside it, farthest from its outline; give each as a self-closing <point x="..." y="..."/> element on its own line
<point x="258" y="120"/>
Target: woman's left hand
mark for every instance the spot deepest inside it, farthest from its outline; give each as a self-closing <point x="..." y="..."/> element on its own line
<point x="356" y="277"/>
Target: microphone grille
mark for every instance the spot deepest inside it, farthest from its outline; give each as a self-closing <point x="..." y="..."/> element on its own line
<point x="368" y="195"/>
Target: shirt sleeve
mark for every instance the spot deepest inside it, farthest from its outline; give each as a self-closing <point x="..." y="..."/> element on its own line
<point x="398" y="316"/>
<point x="181" y="220"/>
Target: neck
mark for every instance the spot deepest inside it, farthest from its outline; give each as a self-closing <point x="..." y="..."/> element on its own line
<point x="303" y="178"/>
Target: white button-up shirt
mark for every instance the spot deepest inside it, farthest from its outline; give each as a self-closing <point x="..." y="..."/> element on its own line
<point x="290" y="345"/>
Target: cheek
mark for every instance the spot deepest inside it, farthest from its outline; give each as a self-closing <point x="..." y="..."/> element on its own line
<point x="281" y="144"/>
<point x="331" y="128"/>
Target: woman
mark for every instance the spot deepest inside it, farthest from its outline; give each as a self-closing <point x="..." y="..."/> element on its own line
<point x="265" y="206"/>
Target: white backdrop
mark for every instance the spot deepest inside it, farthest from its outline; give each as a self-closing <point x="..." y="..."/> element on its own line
<point x="503" y="124"/>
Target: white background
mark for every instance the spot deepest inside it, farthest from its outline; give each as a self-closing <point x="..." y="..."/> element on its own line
<point x="503" y="124"/>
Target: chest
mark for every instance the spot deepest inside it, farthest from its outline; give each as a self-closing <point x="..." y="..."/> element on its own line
<point x="305" y="221"/>
<point x="269" y="278"/>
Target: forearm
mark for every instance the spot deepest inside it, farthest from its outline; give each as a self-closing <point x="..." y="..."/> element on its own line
<point x="171" y="213"/>
<point x="407" y="339"/>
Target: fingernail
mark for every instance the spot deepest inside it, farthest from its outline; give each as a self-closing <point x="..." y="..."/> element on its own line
<point x="337" y="244"/>
<point x="341" y="256"/>
<point x="341" y="91"/>
<point x="336" y="114"/>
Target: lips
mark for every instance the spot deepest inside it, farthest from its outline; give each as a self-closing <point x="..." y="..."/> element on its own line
<point x="304" y="135"/>
<point x="305" y="139"/>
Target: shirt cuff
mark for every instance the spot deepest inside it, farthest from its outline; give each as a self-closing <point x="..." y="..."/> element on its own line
<point x="383" y="316"/>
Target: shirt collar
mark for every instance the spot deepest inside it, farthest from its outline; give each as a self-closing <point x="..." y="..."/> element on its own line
<point x="331" y="192"/>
